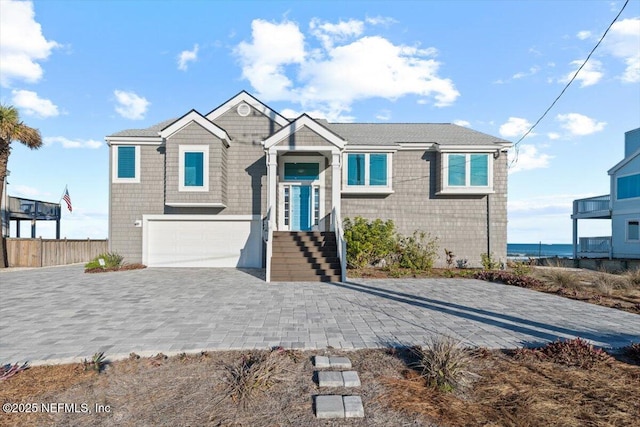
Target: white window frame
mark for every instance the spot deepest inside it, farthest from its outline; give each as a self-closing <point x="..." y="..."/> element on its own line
<point x="114" y="165"/>
<point x="182" y="149"/>
<point x="320" y="160"/>
<point x="467" y="188"/>
<point x="367" y="187"/>
<point x="626" y="231"/>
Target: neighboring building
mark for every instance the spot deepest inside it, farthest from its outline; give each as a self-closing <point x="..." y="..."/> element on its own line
<point x="243" y="186"/>
<point x="621" y="206"/>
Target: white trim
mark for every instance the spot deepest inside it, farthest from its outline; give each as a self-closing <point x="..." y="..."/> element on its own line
<point x="133" y="140"/>
<point x="299" y="123"/>
<point x="623" y="162"/>
<point x="182" y="149"/>
<point x="194" y="116"/>
<point x="459" y="148"/>
<point x="367" y="188"/>
<point x="417" y="146"/>
<point x="114" y="165"/>
<point x="195" y="205"/>
<point x="314" y="148"/>
<point x="372" y="148"/>
<point x="445" y="188"/>
<point x="253" y="102"/>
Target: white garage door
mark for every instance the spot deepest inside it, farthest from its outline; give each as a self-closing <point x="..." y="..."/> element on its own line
<point x="202" y="241"/>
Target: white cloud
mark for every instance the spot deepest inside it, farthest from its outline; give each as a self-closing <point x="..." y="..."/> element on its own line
<point x="533" y="70"/>
<point x="380" y="20"/>
<point x="623" y="42"/>
<point x="384" y="115"/>
<point x="22" y="43"/>
<point x="32" y="105"/>
<point x="463" y="123"/>
<point x="526" y="157"/>
<point x="553" y="135"/>
<point x="579" y="124"/>
<point x="70" y="143"/>
<point x="515" y="127"/>
<point x="345" y="67"/>
<point x="583" y="35"/>
<point x="187" y="56"/>
<point x="590" y="74"/>
<point x="130" y="105"/>
<point x="26" y="191"/>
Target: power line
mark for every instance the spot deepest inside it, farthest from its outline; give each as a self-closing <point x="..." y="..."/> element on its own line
<point x="515" y="160"/>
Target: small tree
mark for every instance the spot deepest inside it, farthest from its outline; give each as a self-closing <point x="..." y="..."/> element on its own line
<point x="12" y="129"/>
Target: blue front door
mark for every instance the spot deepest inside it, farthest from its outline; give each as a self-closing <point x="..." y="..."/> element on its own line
<point x="301" y="207"/>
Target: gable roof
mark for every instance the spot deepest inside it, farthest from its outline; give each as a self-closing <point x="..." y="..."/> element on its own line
<point x="397" y="133"/>
<point x="245" y="96"/>
<point x="150" y="131"/>
<point x="194" y="117"/>
<point x="305" y="121"/>
<point x="623" y="162"/>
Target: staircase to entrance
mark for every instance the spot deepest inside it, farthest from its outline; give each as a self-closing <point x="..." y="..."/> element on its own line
<point x="305" y="256"/>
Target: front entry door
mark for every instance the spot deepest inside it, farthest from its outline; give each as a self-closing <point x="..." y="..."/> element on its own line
<point x="301" y="207"/>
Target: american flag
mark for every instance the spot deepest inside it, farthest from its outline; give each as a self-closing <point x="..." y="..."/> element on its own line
<point x="67" y="199"/>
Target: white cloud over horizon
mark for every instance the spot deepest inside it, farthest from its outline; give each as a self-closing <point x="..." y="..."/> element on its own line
<point x="72" y="143"/>
<point x="22" y="44"/>
<point x="579" y="124"/>
<point x="130" y="105"/>
<point x="346" y="66"/>
<point x="32" y="105"/>
<point x="187" y="56"/>
<point x="590" y="74"/>
<point x="623" y="42"/>
<point x="462" y="123"/>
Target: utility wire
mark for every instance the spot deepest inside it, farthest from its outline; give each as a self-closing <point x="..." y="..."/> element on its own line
<point x="516" y="145"/>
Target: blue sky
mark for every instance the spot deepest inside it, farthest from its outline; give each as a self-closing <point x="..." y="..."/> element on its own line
<point x="81" y="70"/>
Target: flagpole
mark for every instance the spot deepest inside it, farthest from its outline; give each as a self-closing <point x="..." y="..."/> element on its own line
<point x="63" y="193"/>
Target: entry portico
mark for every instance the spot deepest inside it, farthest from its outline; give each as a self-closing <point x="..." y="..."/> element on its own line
<point x="303" y="182"/>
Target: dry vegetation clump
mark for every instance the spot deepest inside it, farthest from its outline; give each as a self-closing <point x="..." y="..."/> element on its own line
<point x="632" y="351"/>
<point x="633" y="278"/>
<point x="445" y="364"/>
<point x="573" y="352"/>
<point x="562" y="278"/>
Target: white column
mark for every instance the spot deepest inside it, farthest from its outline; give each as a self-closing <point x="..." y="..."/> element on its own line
<point x="336" y="185"/>
<point x="272" y="165"/>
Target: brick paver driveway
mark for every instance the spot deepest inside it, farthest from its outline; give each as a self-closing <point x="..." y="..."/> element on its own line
<point x="60" y="313"/>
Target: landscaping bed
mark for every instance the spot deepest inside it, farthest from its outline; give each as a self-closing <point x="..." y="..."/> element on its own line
<point x="214" y="388"/>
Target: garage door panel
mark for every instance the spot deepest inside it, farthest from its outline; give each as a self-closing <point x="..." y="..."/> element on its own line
<point x="204" y="243"/>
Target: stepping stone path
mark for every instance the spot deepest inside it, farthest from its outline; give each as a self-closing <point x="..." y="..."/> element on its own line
<point x="334" y="405"/>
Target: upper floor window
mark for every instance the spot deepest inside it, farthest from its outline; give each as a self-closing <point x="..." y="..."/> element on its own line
<point x="368" y="172"/>
<point x="126" y="163"/>
<point x="628" y="187"/>
<point x="467" y="173"/>
<point x="194" y="168"/>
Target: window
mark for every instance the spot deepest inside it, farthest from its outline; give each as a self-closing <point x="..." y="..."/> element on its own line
<point x="633" y="231"/>
<point x="368" y="172"/>
<point x="301" y="171"/>
<point x="194" y="168"/>
<point x="126" y="163"/>
<point x="467" y="173"/>
<point x="628" y="186"/>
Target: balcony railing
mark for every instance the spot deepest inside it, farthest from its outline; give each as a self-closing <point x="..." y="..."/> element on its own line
<point x="599" y="247"/>
<point x="592" y="207"/>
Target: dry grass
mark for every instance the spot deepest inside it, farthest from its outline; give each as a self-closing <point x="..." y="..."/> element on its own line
<point x="445" y="364"/>
<point x="192" y="389"/>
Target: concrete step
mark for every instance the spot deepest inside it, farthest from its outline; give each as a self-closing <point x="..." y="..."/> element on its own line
<point x="332" y="362"/>
<point x="338" y="379"/>
<point x="308" y="277"/>
<point x="337" y="406"/>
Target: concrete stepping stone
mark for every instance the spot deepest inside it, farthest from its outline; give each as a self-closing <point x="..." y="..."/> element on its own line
<point x="353" y="407"/>
<point x="329" y="406"/>
<point x="336" y="406"/>
<point x="338" y="379"/>
<point x="332" y="362"/>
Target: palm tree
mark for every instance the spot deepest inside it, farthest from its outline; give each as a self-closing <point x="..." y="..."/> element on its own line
<point x="12" y="129"/>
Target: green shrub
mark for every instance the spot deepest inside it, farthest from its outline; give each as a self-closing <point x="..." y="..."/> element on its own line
<point x="520" y="268"/>
<point x="368" y="242"/>
<point x="507" y="278"/>
<point x="111" y="260"/>
<point x="444" y="364"/>
<point x="417" y="252"/>
<point x="488" y="263"/>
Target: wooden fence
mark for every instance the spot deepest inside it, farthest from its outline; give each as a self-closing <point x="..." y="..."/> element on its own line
<point x="48" y="252"/>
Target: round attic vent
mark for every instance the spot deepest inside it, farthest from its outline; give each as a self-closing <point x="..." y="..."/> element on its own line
<point x="244" y="109"/>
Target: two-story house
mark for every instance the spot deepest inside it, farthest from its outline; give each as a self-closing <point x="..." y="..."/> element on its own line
<point x="242" y="186"/>
<point x="621" y="206"/>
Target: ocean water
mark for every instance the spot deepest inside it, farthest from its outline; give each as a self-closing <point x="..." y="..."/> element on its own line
<point x="534" y="250"/>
